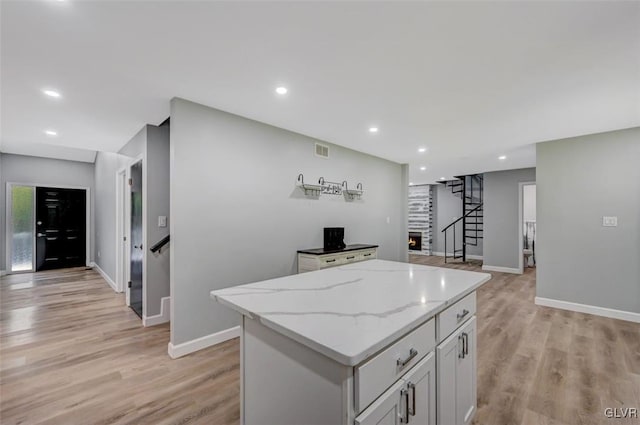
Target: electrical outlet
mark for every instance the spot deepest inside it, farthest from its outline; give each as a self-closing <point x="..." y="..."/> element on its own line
<point x="609" y="221"/>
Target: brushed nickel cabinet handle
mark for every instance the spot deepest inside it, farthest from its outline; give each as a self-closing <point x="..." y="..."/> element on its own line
<point x="404" y="394"/>
<point x="402" y="363"/>
<point x="462" y="316"/>
<point x="412" y="387"/>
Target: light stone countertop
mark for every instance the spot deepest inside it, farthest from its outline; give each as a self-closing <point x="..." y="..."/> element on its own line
<point x="350" y="312"/>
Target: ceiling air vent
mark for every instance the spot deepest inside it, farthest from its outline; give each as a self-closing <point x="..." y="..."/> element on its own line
<point x="322" y="150"/>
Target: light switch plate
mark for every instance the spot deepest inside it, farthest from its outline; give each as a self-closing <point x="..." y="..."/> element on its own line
<point x="162" y="221"/>
<point x="609" y="221"/>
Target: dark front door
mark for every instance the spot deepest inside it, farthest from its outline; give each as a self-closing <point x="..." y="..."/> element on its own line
<point x="135" y="292"/>
<point x="60" y="228"/>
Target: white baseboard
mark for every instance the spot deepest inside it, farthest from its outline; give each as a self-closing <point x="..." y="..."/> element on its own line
<point x="418" y="253"/>
<point x="104" y="275"/>
<point x="501" y="269"/>
<point x="189" y="347"/>
<point x="450" y="254"/>
<point x="3" y="272"/>
<point x="589" y="309"/>
<point x="163" y="317"/>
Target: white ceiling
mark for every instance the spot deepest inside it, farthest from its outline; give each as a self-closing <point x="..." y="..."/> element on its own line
<point x="468" y="80"/>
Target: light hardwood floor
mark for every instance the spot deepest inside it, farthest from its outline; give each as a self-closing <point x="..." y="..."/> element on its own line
<point x="72" y="353"/>
<point x="539" y="365"/>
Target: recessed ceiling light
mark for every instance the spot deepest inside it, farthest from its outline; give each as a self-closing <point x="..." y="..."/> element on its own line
<point x="51" y="132"/>
<point x="373" y="129"/>
<point x="422" y="150"/>
<point x="442" y="178"/>
<point x="281" y="90"/>
<point x="51" y="93"/>
<point x="502" y="157"/>
<point x="423" y="168"/>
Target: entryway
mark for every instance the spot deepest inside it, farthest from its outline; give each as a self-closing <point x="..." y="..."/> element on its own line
<point x="47" y="227"/>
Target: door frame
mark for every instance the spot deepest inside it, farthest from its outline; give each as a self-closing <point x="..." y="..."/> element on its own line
<point x="521" y="186"/>
<point x="9" y="219"/>
<point x="122" y="230"/>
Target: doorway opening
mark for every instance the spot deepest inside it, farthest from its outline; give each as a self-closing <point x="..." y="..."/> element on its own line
<point x="136" y="248"/>
<point x="527" y="225"/>
<point x="47" y="227"/>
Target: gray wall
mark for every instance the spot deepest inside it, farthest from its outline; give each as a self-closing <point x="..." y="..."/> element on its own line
<point x="152" y="144"/>
<point x="580" y="180"/>
<point x="45" y="171"/>
<point x="447" y="207"/>
<point x="157" y="204"/>
<point x="237" y="216"/>
<point x="106" y="166"/>
<point x="501" y="230"/>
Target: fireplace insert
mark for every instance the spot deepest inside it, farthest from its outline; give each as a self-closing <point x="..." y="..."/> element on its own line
<point x="415" y="241"/>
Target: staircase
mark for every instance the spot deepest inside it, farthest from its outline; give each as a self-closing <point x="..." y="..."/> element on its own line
<point x="470" y="189"/>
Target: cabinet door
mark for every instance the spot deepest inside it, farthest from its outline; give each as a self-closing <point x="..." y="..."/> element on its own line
<point x="447" y="353"/>
<point x="456" y="378"/>
<point x="388" y="409"/>
<point x="421" y="384"/>
<point x="466" y="375"/>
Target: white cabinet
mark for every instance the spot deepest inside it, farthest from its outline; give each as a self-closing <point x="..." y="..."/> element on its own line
<point x="309" y="261"/>
<point x="386" y="367"/>
<point x="410" y="400"/>
<point x="456" y="376"/>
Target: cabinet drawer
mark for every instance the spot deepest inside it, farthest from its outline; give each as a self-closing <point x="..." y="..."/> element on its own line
<point x="331" y="260"/>
<point x="377" y="374"/>
<point x="368" y="254"/>
<point x="454" y="316"/>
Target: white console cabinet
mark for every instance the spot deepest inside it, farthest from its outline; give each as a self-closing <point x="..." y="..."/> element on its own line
<point x="317" y="259"/>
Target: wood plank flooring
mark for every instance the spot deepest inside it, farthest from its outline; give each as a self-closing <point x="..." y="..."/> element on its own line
<point x="72" y="353"/>
<point x="539" y="365"/>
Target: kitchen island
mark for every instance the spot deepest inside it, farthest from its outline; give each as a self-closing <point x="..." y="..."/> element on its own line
<point x="358" y="344"/>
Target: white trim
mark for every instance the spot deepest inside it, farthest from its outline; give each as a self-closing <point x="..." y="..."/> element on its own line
<point x="121" y="232"/>
<point x="3" y="272"/>
<point x="589" y="309"/>
<point x="521" y="186"/>
<point x="163" y="317"/>
<point x="450" y="254"/>
<point x="105" y="276"/>
<point x="501" y="269"/>
<point x="194" y="345"/>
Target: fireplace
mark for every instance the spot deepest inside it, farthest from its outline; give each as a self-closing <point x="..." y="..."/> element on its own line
<point x="415" y="241"/>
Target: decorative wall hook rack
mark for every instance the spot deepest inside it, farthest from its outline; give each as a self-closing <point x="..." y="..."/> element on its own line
<point x="329" y="188"/>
